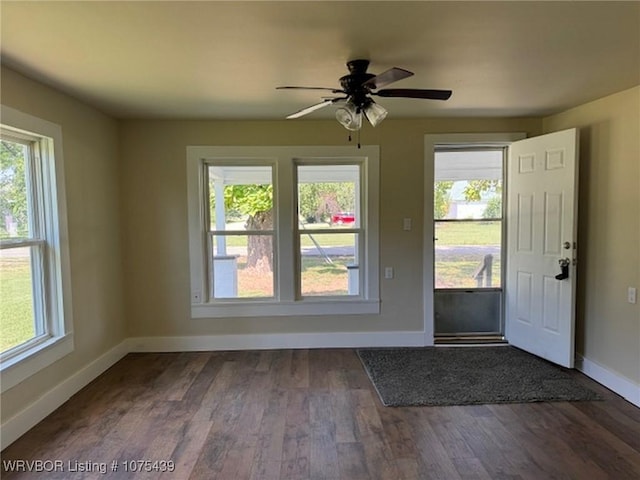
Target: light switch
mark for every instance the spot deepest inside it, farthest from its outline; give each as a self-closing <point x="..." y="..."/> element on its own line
<point x="406" y="224"/>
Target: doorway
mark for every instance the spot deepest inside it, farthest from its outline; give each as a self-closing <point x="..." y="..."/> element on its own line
<point x="468" y="243"/>
<point x="458" y="331"/>
<point x="540" y="246"/>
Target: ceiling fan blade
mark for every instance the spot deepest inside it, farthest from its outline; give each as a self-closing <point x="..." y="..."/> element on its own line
<point x="312" y="108"/>
<point x="414" y="93"/>
<point x="333" y="90"/>
<point x="385" y="78"/>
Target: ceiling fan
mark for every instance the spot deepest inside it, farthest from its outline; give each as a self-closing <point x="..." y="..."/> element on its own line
<point x="358" y="87"/>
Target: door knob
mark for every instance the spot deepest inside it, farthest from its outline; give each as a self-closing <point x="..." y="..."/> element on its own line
<point x="564" y="268"/>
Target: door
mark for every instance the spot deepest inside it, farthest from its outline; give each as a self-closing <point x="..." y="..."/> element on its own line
<point x="541" y="245"/>
<point x="468" y="231"/>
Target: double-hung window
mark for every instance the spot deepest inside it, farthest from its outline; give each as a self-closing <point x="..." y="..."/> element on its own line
<point x="283" y="230"/>
<point x="330" y="231"/>
<point x="34" y="289"/>
<point x="240" y="239"/>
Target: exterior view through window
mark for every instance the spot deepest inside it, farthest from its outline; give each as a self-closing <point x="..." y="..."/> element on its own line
<point x="329" y="229"/>
<point x="241" y="219"/>
<point x="20" y="256"/>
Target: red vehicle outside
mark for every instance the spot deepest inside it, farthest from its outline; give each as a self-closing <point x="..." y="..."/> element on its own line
<point x="342" y="218"/>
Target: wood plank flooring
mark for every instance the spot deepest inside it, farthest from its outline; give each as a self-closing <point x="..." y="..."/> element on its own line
<point x="312" y="414"/>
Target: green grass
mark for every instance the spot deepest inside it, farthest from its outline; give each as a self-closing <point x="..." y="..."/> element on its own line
<point x="16" y="310"/>
<point x="456" y="270"/>
<point x="322" y="278"/>
<point x="459" y="273"/>
<point x="468" y="233"/>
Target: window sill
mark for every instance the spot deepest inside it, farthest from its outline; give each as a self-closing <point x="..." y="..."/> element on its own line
<point x="275" y="309"/>
<point x="21" y="367"/>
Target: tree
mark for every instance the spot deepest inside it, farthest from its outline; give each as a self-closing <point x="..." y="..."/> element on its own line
<point x="493" y="208"/>
<point x="473" y="191"/>
<point x="441" y="199"/>
<point x="13" y="197"/>
<point x="319" y="200"/>
<point x="255" y="201"/>
<point x="475" y="188"/>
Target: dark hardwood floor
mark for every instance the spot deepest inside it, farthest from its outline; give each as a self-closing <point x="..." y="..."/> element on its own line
<point x="312" y="414"/>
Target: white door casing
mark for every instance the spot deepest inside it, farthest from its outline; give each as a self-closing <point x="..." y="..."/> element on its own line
<point x="542" y="230"/>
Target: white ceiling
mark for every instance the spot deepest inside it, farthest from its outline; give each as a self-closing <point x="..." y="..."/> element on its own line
<point x="224" y="59"/>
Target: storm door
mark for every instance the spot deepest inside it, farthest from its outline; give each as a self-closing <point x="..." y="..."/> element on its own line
<point x="468" y="243"/>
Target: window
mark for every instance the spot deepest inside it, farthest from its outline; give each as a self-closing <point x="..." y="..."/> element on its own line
<point x="33" y="300"/>
<point x="329" y="229"/>
<point x="241" y="230"/>
<point x="283" y="230"/>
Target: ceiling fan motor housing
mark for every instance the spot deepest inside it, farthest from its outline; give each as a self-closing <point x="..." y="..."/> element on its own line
<point x="353" y="84"/>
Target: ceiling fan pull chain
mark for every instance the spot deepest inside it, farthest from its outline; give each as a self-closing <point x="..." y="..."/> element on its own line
<point x="358" y="139"/>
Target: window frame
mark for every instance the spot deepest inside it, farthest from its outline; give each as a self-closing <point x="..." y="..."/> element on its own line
<point x="360" y="231"/>
<point x="287" y="301"/>
<point x="53" y="287"/>
<point x="210" y="289"/>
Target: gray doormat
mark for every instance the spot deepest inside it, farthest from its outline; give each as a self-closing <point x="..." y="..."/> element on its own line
<point x="467" y="376"/>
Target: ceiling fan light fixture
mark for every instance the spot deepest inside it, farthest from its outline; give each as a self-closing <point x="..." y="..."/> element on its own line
<point x="375" y="113"/>
<point x="349" y="116"/>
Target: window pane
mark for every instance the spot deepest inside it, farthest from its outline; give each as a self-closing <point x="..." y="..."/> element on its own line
<point x="468" y="199"/>
<point x="467" y="254"/>
<point x="16" y="298"/>
<point x="240" y="198"/>
<point x="328" y="195"/>
<point x="468" y="184"/>
<point x="14" y="207"/>
<point x="328" y="264"/>
<point x="245" y="269"/>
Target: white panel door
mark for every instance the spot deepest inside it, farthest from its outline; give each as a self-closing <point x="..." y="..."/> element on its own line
<point x="542" y="215"/>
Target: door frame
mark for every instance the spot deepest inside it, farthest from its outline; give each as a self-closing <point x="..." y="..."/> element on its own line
<point x="431" y="141"/>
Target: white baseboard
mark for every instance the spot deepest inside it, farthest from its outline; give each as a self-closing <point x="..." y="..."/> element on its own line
<point x="26" y="419"/>
<point x="613" y="381"/>
<point x="276" y="341"/>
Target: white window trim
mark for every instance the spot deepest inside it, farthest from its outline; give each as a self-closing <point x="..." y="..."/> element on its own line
<point x="367" y="303"/>
<point x="60" y="342"/>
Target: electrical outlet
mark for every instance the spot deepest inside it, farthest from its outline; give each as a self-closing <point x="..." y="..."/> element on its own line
<point x="631" y="295"/>
<point x="388" y="272"/>
<point x="406" y="224"/>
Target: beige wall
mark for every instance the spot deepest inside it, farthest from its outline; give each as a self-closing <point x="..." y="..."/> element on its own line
<point x="154" y="193"/>
<point x="608" y="328"/>
<point x="90" y="144"/>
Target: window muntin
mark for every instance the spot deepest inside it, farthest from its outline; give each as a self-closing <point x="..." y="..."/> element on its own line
<point x="329" y="229"/>
<point x="241" y="218"/>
